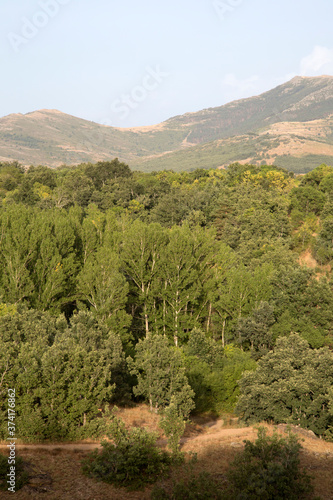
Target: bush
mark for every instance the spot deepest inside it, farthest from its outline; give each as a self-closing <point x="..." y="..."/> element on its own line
<point x="21" y="476"/>
<point x="132" y="460"/>
<point x="268" y="469"/>
<point x="202" y="487"/>
<point x="173" y="425"/>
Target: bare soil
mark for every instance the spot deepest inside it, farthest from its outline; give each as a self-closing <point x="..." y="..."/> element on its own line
<point x="55" y="468"/>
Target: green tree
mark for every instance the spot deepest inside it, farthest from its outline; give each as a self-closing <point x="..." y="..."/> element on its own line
<point x="103" y="171"/>
<point x="62" y="375"/>
<point x="56" y="264"/>
<point x="255" y="329"/>
<point x="131" y="460"/>
<point x="184" y="270"/>
<point x="18" y="250"/>
<point x="73" y="187"/>
<point x="240" y="291"/>
<point x="290" y="385"/>
<point x="160" y="372"/>
<point x="103" y="287"/>
<point x="307" y="199"/>
<point x="77" y="377"/>
<point x="140" y="254"/>
<point x="324" y="246"/>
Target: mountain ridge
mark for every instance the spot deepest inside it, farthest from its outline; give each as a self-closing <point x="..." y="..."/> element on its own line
<point x="52" y="137"/>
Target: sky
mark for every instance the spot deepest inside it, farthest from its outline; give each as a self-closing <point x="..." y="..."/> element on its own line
<point x="131" y="63"/>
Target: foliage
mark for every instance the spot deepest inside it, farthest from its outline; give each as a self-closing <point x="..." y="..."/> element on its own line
<point x="291" y="384"/>
<point x="160" y="372"/>
<point x="173" y="425"/>
<point x="132" y="460"/>
<point x="213" y="372"/>
<point x="255" y="330"/>
<point x="193" y="487"/>
<point x="62" y="374"/>
<point x="97" y="259"/>
<point x="268" y="469"/>
<point x="21" y="475"/>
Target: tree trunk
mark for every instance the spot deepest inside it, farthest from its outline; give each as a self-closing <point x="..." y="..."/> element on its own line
<point x="223" y="328"/>
<point x="146" y="320"/>
<point x="209" y="316"/>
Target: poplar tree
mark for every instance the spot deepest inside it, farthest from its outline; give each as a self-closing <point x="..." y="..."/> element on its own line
<point x="182" y="272"/>
<point x="140" y="256"/>
<point x="104" y="289"/>
<point x="18" y="250"/>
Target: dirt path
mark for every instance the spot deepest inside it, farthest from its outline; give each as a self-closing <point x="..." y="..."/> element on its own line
<point x="59" y="446"/>
<point x="213" y="431"/>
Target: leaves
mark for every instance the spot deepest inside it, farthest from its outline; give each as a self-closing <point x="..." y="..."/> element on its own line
<point x="290" y="384"/>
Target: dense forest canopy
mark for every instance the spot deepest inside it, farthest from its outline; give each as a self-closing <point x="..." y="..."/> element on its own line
<point x="99" y="263"/>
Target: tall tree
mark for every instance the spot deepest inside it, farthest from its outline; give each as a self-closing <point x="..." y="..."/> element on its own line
<point x="160" y="371"/>
<point x="18" y="251"/>
<point x="140" y="253"/>
<point x="104" y="288"/>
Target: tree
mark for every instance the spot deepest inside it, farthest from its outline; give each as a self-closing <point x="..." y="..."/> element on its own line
<point x="103" y="171"/>
<point x="91" y="230"/>
<point x="62" y="375"/>
<point x="241" y="290"/>
<point x="184" y="270"/>
<point x="11" y="175"/>
<point x="77" y="374"/>
<point x="160" y="372"/>
<point x="307" y="199"/>
<point x="73" y="187"/>
<point x="291" y="385"/>
<point x="255" y="329"/>
<point x="213" y="372"/>
<point x="24" y="338"/>
<point x="324" y="246"/>
<point x="56" y="264"/>
<point x="18" y="250"/>
<point x="140" y="253"/>
<point x="104" y="289"/>
<point x="131" y="460"/>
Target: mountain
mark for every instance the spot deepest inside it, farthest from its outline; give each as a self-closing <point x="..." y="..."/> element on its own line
<point x="291" y="125"/>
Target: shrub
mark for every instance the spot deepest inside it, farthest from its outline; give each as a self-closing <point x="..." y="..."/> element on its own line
<point x="173" y="425"/>
<point x="268" y="469"/>
<point x="202" y="487"/>
<point x="21" y="476"/>
<point x="132" y="460"/>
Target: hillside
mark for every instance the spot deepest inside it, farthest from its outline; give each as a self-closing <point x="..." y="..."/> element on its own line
<point x="291" y="123"/>
<point x="297" y="146"/>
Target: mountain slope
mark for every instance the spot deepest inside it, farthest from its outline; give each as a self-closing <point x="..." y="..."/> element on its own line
<point x="291" y="122"/>
<point x="297" y="146"/>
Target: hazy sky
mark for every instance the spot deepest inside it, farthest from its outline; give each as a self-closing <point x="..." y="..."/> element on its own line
<point x="130" y="63"/>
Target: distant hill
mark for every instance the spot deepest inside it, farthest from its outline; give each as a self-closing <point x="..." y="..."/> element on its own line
<point x="291" y="125"/>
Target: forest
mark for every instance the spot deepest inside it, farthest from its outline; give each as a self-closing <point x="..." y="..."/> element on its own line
<point x="189" y="291"/>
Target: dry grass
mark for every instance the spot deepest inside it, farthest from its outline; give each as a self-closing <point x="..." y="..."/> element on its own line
<point x="56" y="471"/>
